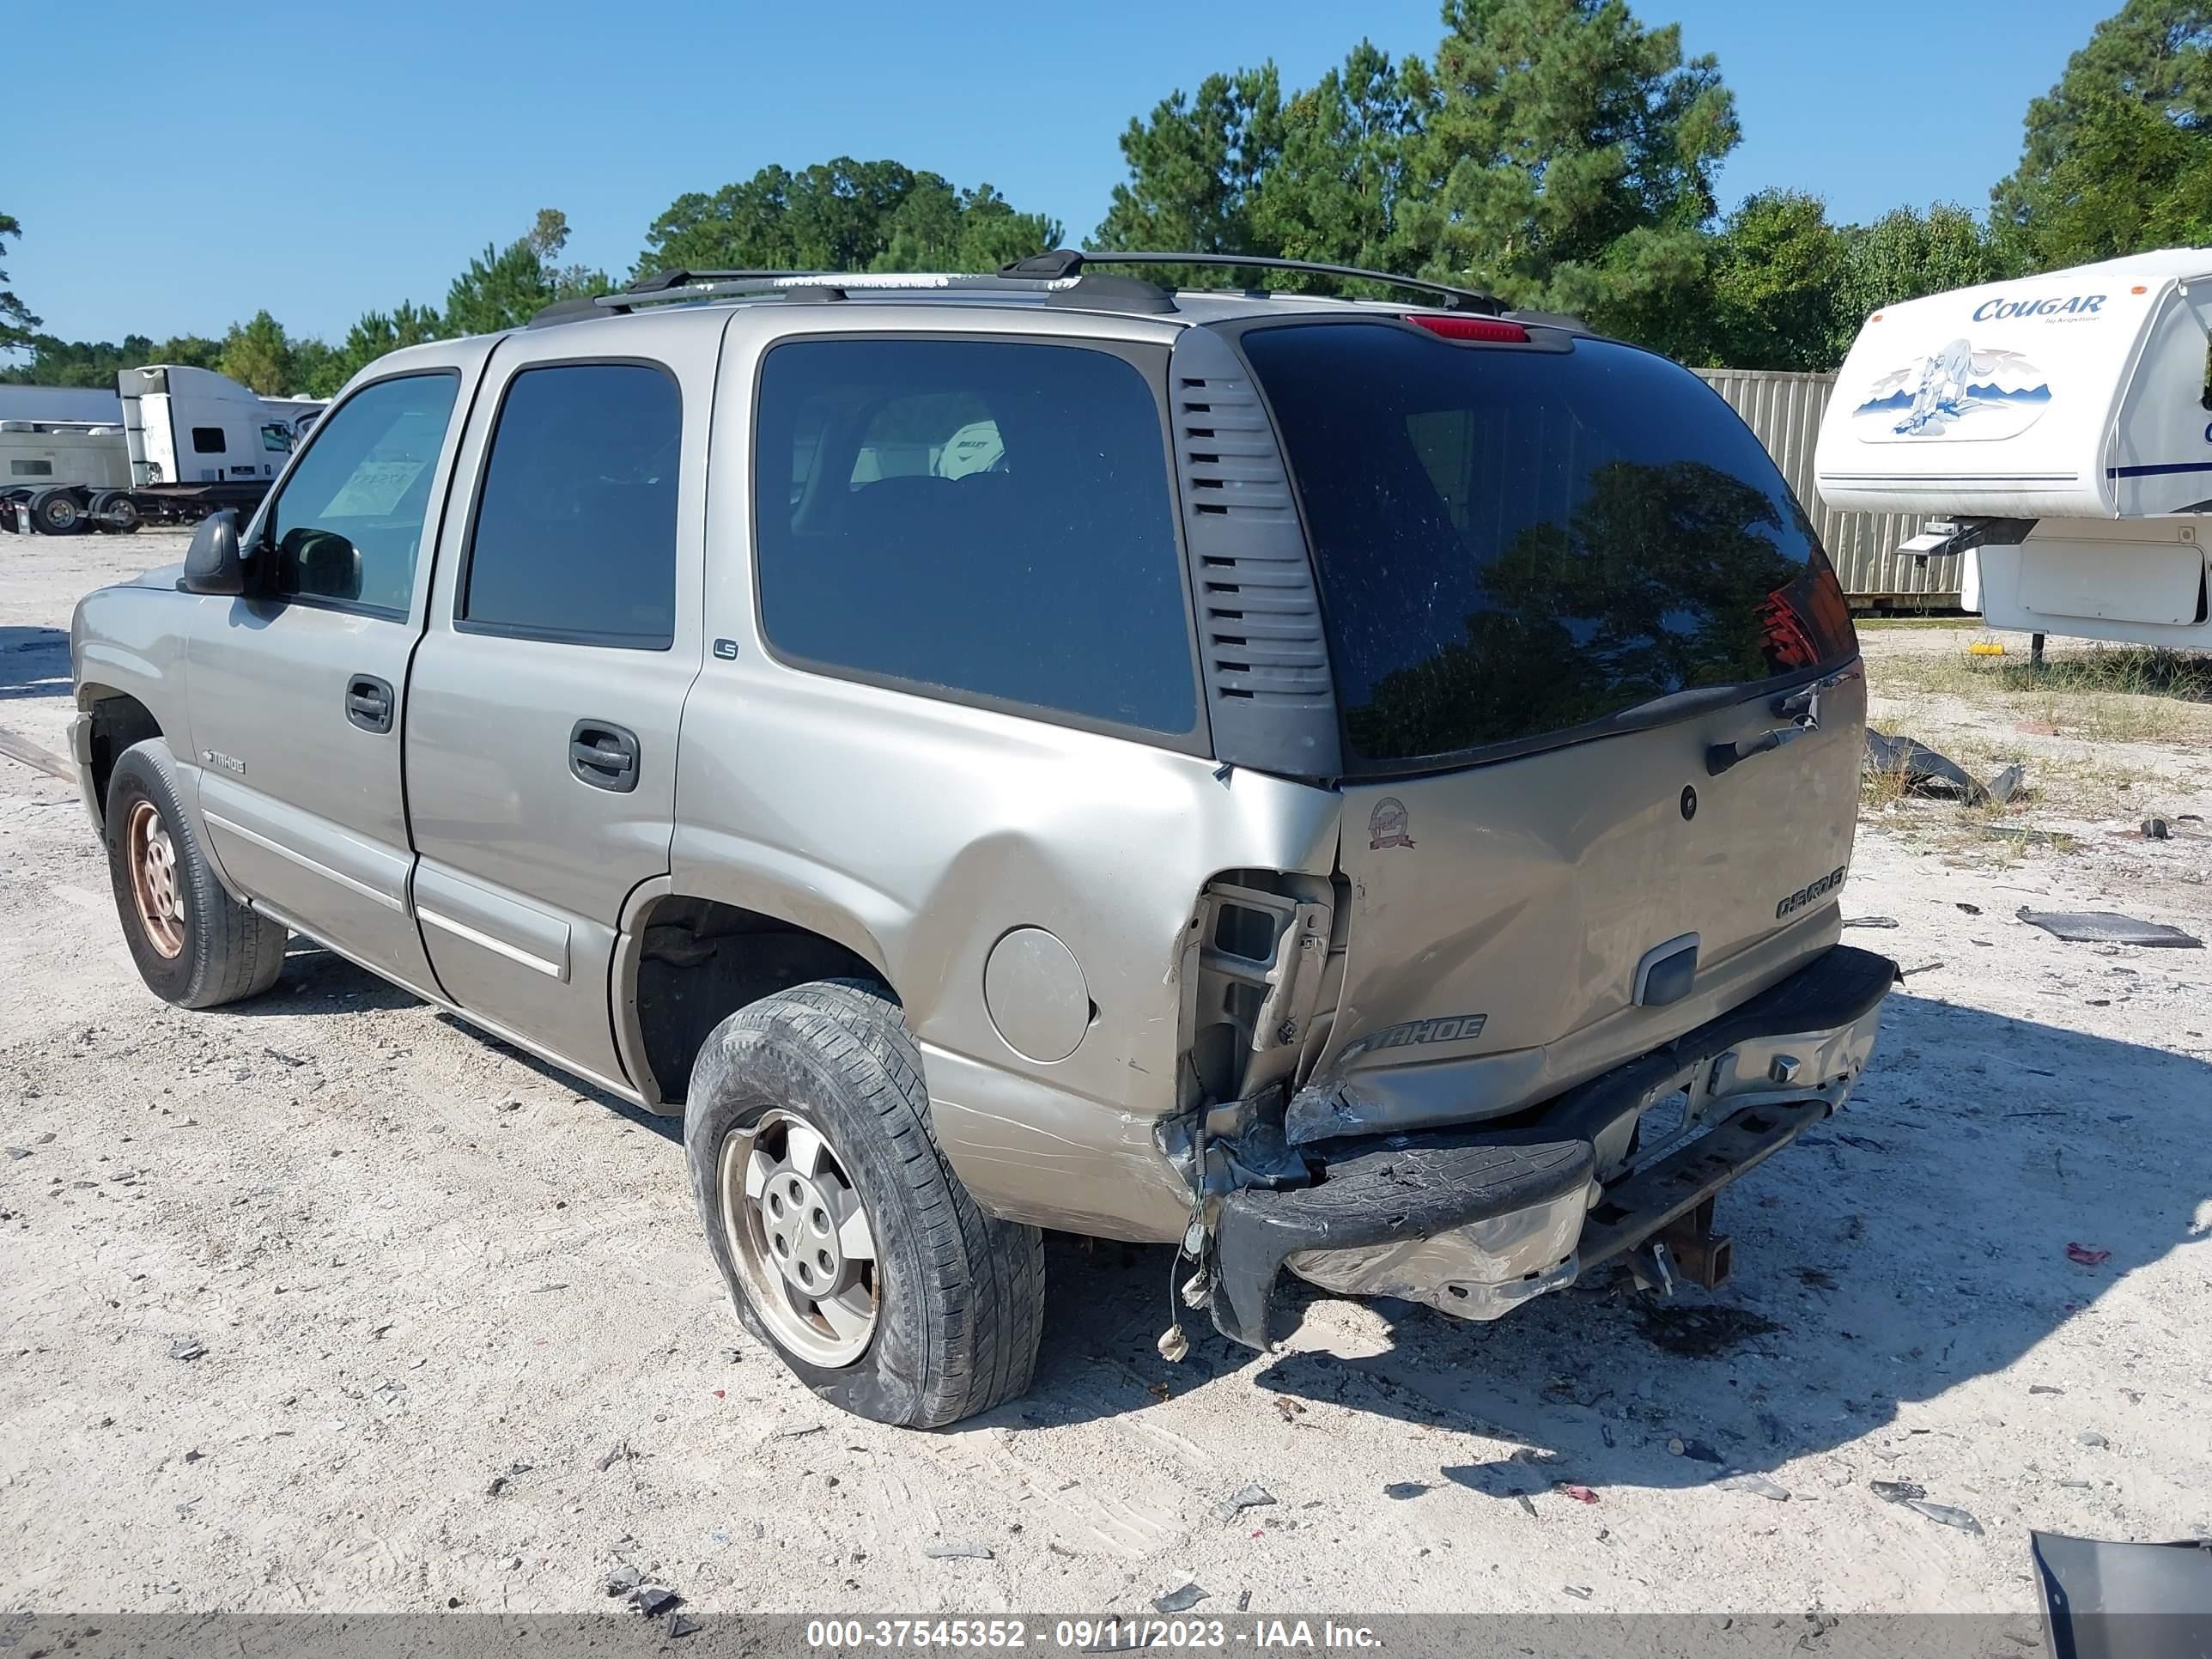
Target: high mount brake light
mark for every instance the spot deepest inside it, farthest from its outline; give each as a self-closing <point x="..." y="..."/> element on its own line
<point x="1493" y="329"/>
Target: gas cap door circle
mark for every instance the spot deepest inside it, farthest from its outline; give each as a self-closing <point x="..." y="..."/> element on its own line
<point x="1034" y="991"/>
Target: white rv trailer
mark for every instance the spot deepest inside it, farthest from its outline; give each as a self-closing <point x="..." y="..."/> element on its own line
<point x="2057" y="432"/>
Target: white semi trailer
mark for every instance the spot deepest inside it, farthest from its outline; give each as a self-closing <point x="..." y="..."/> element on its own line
<point x="2057" y="433"/>
<point x="190" y="442"/>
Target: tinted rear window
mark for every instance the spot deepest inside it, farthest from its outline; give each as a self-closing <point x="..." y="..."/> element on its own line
<point x="1515" y="544"/>
<point x="980" y="520"/>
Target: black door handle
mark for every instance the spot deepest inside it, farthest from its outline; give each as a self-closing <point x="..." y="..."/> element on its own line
<point x="604" y="755"/>
<point x="369" y="703"/>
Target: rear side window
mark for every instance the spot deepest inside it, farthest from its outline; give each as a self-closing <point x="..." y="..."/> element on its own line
<point x="989" y="520"/>
<point x="1513" y="544"/>
<point x="575" y="528"/>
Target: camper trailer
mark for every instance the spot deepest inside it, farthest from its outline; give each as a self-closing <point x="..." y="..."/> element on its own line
<point x="2057" y="433"/>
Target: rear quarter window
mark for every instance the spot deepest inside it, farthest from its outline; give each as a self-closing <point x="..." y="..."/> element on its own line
<point x="983" y="520"/>
<point x="1517" y="543"/>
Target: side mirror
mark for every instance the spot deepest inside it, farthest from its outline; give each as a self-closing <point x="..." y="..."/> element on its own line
<point x="213" y="563"/>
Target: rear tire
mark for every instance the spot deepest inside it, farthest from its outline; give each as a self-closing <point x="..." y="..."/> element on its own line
<point x="57" y="512"/>
<point x="195" y="945"/>
<point x="936" y="1307"/>
<point x="115" y="512"/>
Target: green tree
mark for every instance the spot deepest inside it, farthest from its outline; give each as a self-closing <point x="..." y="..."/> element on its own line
<point x="1194" y="166"/>
<point x="1903" y="255"/>
<point x="505" y="287"/>
<point x="2117" y="156"/>
<point x="842" y="215"/>
<point x="16" y="321"/>
<point x="1569" y="162"/>
<point x="376" y="333"/>
<point x="258" y="355"/>
<point x="1777" y="279"/>
<point x="1556" y="152"/>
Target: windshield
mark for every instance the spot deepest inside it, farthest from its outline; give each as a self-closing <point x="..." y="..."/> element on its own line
<point x="1513" y="545"/>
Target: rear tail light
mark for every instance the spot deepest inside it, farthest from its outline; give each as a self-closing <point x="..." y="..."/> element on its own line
<point x="1494" y="330"/>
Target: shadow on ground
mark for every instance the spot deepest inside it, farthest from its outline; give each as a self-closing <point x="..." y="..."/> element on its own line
<point x="1916" y="1240"/>
<point x="315" y="978"/>
<point x="35" y="662"/>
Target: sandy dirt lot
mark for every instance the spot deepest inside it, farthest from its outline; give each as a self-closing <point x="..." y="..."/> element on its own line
<point x="328" y="1302"/>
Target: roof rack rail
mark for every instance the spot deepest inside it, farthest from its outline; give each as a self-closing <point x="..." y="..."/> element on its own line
<point x="1100" y="292"/>
<point x="1070" y="262"/>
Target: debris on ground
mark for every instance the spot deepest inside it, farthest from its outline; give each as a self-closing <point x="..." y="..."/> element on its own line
<point x="959" y="1551"/>
<point x="1404" y="1489"/>
<point x="2091" y="1437"/>
<point x="1944" y="1515"/>
<point x="1872" y="921"/>
<point x="1924" y="771"/>
<point x="1580" y="1592"/>
<point x="2044" y="1388"/>
<point x="1523" y="1500"/>
<point x="1246" y="1497"/>
<point x="186" y="1348"/>
<point x="1971" y="909"/>
<point x="624" y="1579"/>
<point x="1749" y="1480"/>
<point x="618" y="1453"/>
<point x="2157" y="829"/>
<point x="1580" y="1494"/>
<point x="653" y="1600"/>
<point x="2005" y="787"/>
<point x="1897" y="1492"/>
<point x="679" y="1626"/>
<point x="2106" y="928"/>
<point x="2086" y="1256"/>
<point x="1700" y="1332"/>
<point x="1178" y="1601"/>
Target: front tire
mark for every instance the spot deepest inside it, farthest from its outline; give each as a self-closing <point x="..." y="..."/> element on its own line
<point x="194" y="944"/>
<point x="848" y="1245"/>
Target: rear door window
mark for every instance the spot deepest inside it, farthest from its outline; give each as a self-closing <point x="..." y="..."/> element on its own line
<point x="575" y="530"/>
<point x="1513" y="545"/>
<point x="989" y="521"/>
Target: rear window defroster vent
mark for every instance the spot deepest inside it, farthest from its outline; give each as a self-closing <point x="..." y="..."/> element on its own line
<point x="1268" y="687"/>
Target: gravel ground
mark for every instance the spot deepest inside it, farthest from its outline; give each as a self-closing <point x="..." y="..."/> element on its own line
<point x="327" y="1303"/>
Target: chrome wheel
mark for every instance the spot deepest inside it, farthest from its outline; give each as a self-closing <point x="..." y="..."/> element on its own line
<point x="799" y="1235"/>
<point x="154" y="890"/>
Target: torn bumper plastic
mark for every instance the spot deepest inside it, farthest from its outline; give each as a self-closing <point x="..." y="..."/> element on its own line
<point x="1476" y="1221"/>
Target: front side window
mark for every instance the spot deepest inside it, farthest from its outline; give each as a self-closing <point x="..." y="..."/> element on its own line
<point x="989" y="520"/>
<point x="1515" y="544"/>
<point x="207" y="440"/>
<point x="575" y="530"/>
<point x="347" y="525"/>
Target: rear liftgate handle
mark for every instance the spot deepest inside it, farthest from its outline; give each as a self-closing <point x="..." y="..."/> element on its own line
<point x="369" y="703"/>
<point x="604" y="755"/>
<point x="1801" y="707"/>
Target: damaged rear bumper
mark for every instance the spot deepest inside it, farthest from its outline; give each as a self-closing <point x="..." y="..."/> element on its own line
<point x="1476" y="1221"/>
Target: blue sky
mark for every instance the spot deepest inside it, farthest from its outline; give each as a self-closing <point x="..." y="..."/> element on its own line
<point x="322" y="160"/>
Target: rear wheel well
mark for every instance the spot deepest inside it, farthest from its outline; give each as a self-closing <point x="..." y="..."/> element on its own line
<point x="699" y="961"/>
<point x="118" y="720"/>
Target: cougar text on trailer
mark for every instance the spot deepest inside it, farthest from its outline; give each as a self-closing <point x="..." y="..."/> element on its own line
<point x="2057" y="430"/>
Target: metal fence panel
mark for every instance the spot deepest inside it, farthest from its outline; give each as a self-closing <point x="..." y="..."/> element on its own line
<point x="1785" y="410"/>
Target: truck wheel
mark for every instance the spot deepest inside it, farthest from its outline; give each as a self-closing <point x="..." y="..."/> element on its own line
<point x="195" y="945"/>
<point x="57" y="512"/>
<point x="113" y="510"/>
<point x="848" y="1245"/>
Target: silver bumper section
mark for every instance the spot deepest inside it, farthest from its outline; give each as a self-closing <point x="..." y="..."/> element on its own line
<point x="1475" y="1222"/>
